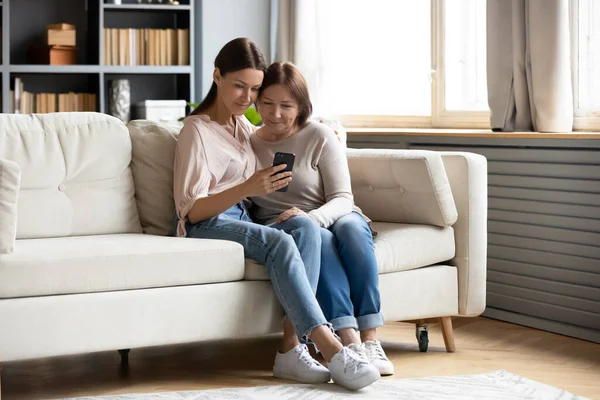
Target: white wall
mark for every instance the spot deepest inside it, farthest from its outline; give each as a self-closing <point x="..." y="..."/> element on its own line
<point x="221" y="21"/>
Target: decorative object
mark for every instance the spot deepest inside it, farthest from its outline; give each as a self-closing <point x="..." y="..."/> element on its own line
<point x="61" y="35"/>
<point x="161" y="111"/>
<point x="499" y="385"/>
<point x="119" y="100"/>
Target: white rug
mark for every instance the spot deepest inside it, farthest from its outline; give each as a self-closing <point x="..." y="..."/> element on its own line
<point x="499" y="385"/>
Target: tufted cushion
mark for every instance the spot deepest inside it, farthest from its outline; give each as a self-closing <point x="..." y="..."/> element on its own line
<point x="152" y="165"/>
<point x="75" y="175"/>
<point x="10" y="177"/>
<point x="405" y="186"/>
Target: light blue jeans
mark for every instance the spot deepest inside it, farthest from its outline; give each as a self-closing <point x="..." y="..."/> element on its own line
<point x="294" y="281"/>
<point x="348" y="289"/>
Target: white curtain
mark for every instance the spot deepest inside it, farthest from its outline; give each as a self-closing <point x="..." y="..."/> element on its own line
<point x="529" y="65"/>
<point x="295" y="32"/>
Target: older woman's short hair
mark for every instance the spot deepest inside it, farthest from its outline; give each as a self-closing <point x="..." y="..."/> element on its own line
<point x="288" y="75"/>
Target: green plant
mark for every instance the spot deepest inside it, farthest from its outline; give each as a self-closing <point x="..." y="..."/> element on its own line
<point x="251" y="113"/>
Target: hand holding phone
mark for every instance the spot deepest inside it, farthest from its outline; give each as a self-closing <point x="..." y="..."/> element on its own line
<point x="284" y="158"/>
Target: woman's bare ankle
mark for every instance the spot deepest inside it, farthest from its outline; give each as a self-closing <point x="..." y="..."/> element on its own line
<point x="327" y="343"/>
<point x="348" y="336"/>
<point x="368" y="335"/>
<point x="290" y="339"/>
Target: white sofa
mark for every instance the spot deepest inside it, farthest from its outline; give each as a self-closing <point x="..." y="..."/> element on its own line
<point x="86" y="202"/>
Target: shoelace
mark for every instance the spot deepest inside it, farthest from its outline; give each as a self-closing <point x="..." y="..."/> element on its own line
<point x="351" y="359"/>
<point x="360" y="350"/>
<point x="375" y="351"/>
<point x="305" y="356"/>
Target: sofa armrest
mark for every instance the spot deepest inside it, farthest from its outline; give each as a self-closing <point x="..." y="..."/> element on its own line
<point x="404" y="186"/>
<point x="467" y="173"/>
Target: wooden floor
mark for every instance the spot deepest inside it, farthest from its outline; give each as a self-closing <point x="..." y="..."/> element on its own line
<point x="482" y="345"/>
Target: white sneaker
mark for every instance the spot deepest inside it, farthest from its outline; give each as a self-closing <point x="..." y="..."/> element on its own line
<point x="377" y="357"/>
<point x="359" y="349"/>
<point x="351" y="371"/>
<point x="298" y="365"/>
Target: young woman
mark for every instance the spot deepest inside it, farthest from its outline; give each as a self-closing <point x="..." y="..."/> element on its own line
<point x="348" y="289"/>
<point x="214" y="173"/>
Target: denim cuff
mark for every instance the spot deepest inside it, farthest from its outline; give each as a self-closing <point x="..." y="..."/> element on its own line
<point x="344" y="322"/>
<point x="305" y="338"/>
<point x="370" y="321"/>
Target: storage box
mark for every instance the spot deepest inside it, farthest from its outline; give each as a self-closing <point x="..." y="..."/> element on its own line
<point x="60" y="55"/>
<point x="162" y="111"/>
<point x="61" y="35"/>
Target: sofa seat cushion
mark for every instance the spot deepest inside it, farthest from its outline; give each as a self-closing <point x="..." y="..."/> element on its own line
<point x="398" y="247"/>
<point x="101" y="263"/>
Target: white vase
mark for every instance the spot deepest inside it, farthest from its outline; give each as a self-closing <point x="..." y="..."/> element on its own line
<point x="119" y="103"/>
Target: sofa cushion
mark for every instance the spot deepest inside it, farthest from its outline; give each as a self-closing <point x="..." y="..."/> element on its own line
<point x="152" y="166"/>
<point x="10" y="177"/>
<point x="75" y="175"/>
<point x="402" y="186"/>
<point x="398" y="247"/>
<point x="402" y="247"/>
<point x="100" y="263"/>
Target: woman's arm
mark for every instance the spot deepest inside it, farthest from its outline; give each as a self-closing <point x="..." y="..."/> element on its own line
<point x="338" y="193"/>
<point x="259" y="184"/>
<point x="333" y="168"/>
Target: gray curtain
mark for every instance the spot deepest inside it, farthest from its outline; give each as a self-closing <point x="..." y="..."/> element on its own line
<point x="529" y="65"/>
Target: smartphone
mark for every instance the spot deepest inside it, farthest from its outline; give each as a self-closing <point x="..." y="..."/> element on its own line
<point x="284" y="158"/>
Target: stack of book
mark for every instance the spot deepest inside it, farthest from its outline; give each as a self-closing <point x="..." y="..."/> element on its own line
<point x="146" y="47"/>
<point x="22" y="102"/>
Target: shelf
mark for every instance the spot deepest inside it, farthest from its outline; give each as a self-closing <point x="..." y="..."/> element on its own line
<point x="146" y="7"/>
<point x="92" y="69"/>
<point x="145" y="69"/>
<point x="52" y="69"/>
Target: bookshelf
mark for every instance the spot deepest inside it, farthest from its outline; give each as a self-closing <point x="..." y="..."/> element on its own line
<point x="23" y="29"/>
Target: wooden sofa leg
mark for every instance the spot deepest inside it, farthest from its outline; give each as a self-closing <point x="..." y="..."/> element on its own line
<point x="448" y="334"/>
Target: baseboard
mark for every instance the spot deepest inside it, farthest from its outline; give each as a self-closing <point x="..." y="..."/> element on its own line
<point x="591" y="335"/>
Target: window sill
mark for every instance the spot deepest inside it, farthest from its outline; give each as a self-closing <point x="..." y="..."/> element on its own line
<point x="475" y="133"/>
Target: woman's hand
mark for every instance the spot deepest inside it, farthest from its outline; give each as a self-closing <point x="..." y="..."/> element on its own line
<point x="292" y="212"/>
<point x="265" y="182"/>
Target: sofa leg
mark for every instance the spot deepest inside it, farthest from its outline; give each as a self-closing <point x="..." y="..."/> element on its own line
<point x="448" y="334"/>
<point x="124" y="358"/>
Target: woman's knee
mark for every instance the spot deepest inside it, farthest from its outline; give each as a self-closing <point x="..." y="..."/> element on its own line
<point x="327" y="237"/>
<point x="306" y="223"/>
<point x="350" y="224"/>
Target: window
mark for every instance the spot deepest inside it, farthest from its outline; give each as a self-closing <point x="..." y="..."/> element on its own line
<point x="433" y="75"/>
<point x="586" y="63"/>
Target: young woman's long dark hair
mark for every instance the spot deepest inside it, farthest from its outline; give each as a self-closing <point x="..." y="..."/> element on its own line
<point x="238" y="54"/>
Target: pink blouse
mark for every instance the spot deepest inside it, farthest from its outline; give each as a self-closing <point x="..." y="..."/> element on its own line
<point x="210" y="158"/>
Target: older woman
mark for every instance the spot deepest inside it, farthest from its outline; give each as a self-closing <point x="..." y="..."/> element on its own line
<point x="348" y="289"/>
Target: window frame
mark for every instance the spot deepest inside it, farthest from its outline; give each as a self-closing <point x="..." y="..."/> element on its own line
<point x="440" y="116"/>
<point x="583" y="119"/>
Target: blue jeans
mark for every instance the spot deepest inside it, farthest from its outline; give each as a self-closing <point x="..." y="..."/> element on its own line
<point x="348" y="289"/>
<point x="277" y="251"/>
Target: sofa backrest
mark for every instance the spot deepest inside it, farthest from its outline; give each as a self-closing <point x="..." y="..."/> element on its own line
<point x="152" y="166"/>
<point x="75" y="174"/>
